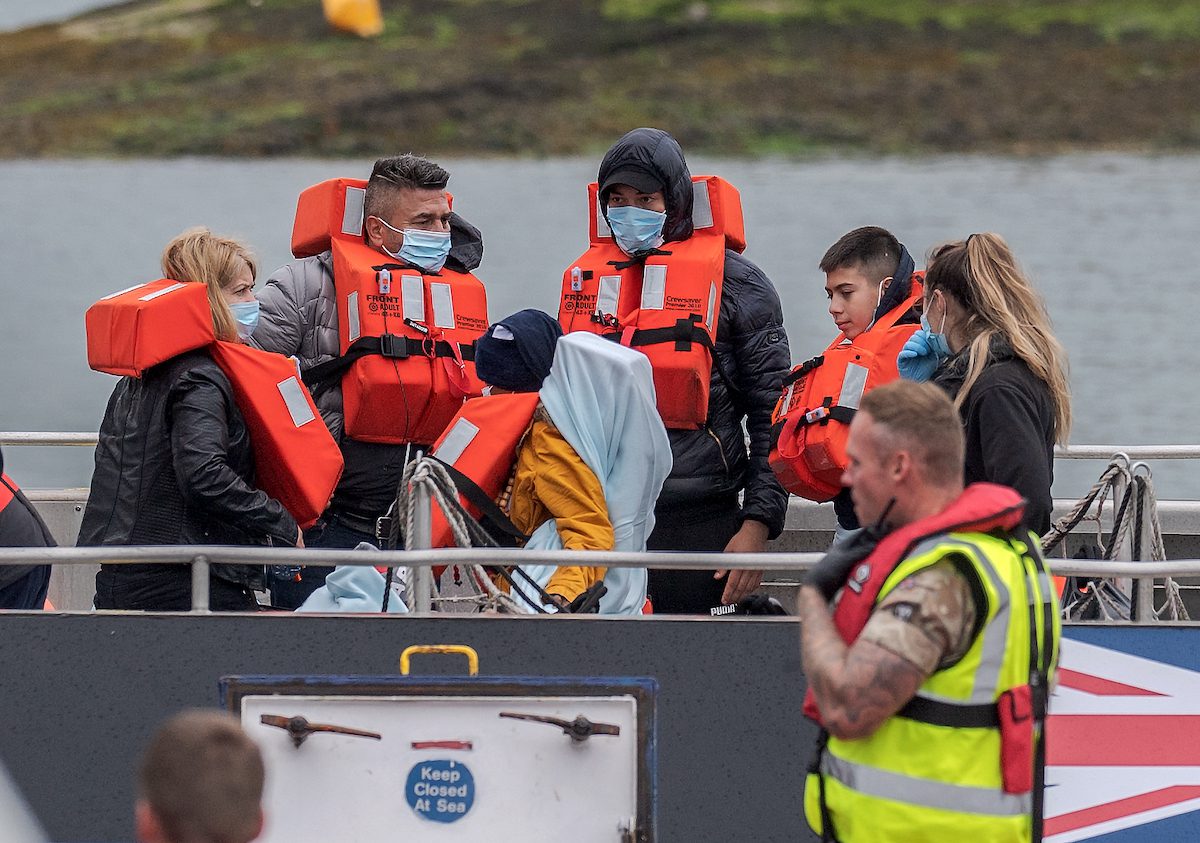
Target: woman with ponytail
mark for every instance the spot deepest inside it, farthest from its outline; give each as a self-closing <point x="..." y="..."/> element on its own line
<point x="986" y="339"/>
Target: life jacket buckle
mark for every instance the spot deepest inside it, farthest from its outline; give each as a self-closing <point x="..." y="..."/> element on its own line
<point x="393" y="346"/>
<point x="608" y="320"/>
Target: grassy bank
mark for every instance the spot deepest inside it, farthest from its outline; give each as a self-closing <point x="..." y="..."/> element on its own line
<point x="268" y="77"/>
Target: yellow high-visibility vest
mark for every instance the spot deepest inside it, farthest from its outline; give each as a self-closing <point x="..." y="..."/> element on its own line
<point x="920" y="781"/>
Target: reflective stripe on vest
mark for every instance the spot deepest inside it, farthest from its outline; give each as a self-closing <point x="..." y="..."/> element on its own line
<point x="995" y="634"/>
<point x="871" y="781"/>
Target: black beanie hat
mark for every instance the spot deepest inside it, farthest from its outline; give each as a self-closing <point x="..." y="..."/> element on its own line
<point x="516" y="352"/>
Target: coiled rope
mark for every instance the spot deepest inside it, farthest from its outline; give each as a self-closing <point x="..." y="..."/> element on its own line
<point x="429" y="474"/>
<point x="1135" y="523"/>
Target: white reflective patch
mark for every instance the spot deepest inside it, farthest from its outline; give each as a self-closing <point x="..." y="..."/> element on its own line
<point x="654" y="286"/>
<point x="442" y="299"/>
<point x="787" y="397"/>
<point x="352" y="214"/>
<point x="502" y="333"/>
<point x="355" y="328"/>
<point x="457" y="439"/>
<point x="712" y="305"/>
<point x="122" y="292"/>
<point x="602" y="229"/>
<point x="702" y="215"/>
<point x="608" y="294"/>
<point x="853" y="386"/>
<point x="295" y="401"/>
<point x="162" y="292"/>
<point x="412" y="289"/>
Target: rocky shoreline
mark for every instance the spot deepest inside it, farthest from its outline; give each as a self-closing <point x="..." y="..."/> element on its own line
<point x="543" y="77"/>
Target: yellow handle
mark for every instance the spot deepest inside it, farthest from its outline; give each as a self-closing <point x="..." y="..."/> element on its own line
<point x="463" y="649"/>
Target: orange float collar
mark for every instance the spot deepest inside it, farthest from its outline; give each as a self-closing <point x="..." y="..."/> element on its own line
<point x="811" y="421"/>
<point x="296" y="460"/>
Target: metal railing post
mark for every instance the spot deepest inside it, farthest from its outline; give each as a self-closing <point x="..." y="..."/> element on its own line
<point x="422" y="538"/>
<point x="200" y="584"/>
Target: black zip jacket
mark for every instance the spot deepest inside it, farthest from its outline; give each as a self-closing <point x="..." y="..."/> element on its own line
<point x="1008" y="419"/>
<point x="751" y="347"/>
<point x="174" y="466"/>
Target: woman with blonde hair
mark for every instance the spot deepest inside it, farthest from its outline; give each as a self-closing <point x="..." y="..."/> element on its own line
<point x="174" y="463"/>
<point x="986" y="339"/>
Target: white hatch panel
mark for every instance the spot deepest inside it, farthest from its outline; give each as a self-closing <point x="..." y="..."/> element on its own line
<point x="519" y="780"/>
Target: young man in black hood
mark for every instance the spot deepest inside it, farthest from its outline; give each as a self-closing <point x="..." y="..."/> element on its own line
<point x="646" y="196"/>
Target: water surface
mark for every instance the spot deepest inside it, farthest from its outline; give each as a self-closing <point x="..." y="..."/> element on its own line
<point x="1109" y="239"/>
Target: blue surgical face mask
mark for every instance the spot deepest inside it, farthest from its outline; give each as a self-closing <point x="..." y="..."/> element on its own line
<point x="246" y="315"/>
<point x="936" y="339"/>
<point x="636" y="229"/>
<point x="425" y="249"/>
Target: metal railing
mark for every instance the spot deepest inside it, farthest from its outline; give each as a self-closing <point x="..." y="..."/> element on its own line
<point x="1069" y="452"/>
<point x="201" y="557"/>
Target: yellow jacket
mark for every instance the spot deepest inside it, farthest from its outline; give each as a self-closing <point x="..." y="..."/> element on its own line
<point x="551" y="481"/>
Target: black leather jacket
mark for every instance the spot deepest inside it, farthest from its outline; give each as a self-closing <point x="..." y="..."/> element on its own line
<point x="174" y="466"/>
<point x="752" y="348"/>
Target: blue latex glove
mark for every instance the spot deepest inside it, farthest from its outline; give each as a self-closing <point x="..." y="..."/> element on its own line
<point x="918" y="360"/>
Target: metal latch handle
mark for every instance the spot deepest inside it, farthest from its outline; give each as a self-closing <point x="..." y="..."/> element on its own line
<point x="461" y="649"/>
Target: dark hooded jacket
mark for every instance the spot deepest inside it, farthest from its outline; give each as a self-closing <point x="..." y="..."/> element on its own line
<point x="174" y="466"/>
<point x="20" y="526"/>
<point x="298" y="318"/>
<point x="751" y="346"/>
<point x="1008" y="418"/>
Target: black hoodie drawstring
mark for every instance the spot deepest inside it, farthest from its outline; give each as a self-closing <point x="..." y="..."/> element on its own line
<point x="639" y="258"/>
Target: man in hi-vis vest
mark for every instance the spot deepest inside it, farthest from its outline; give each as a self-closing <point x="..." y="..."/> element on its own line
<point x="931" y="672"/>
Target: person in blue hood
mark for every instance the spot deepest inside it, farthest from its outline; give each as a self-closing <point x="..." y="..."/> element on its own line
<point x="721" y="494"/>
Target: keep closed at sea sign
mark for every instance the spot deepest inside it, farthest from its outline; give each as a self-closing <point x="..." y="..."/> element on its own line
<point x="440" y="790"/>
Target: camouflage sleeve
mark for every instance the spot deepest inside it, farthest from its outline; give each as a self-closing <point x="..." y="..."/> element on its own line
<point x="927" y="619"/>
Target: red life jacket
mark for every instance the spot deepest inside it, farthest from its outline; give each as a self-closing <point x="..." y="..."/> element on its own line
<point x="811" y="421"/>
<point x="409" y="337"/>
<point x="981" y="508"/>
<point x="141" y="326"/>
<point x="8" y="488"/>
<point x="666" y="306"/>
<point x="481" y="443"/>
<point x="296" y="460"/>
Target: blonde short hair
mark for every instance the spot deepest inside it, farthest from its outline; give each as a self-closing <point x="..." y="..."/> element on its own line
<point x="921" y="419"/>
<point x="199" y="255"/>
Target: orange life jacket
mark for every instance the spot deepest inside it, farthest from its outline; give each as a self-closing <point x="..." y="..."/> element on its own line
<point x="407" y="338"/>
<point x="296" y="460"/>
<point x="666" y="306"/>
<point x="8" y="490"/>
<point x="141" y="326"/>
<point x="481" y="444"/>
<point x="811" y="421"/>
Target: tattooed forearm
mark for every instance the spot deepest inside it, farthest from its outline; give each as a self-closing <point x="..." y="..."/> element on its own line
<point x="856" y="687"/>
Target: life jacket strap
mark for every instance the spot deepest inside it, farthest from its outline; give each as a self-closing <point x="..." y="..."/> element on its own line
<point x="939" y="713"/>
<point x="492" y="517"/>
<point x="802" y="370"/>
<point x="387" y="345"/>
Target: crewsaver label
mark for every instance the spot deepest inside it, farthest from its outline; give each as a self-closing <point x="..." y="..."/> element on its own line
<point x="440" y="790"/>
